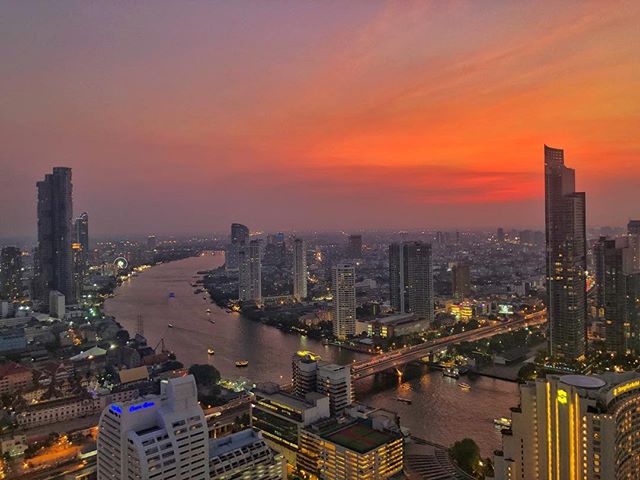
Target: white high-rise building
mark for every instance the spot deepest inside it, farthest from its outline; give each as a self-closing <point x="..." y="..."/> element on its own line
<point x="573" y="427"/>
<point x="335" y="382"/>
<point x="344" y="300"/>
<point x="156" y="437"/>
<point x="299" y="269"/>
<point x="56" y="304"/>
<point x="250" y="278"/>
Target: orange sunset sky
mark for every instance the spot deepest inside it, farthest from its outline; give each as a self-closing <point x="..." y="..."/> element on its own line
<point x="181" y="117"/>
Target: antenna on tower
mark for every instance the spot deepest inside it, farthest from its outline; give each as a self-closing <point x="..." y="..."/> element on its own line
<point x="140" y="326"/>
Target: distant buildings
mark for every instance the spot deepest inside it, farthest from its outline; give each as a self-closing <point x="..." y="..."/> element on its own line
<point x="566" y="263"/>
<point x="10" y="273"/>
<point x="239" y="236"/>
<point x="54" y="260"/>
<point x="573" y="427"/>
<point x="354" y="248"/>
<point x="152" y="243"/>
<point x="460" y="281"/>
<point x="245" y="456"/>
<point x="14" y="377"/>
<point x="299" y="269"/>
<point x="411" y="279"/>
<point x="344" y="300"/>
<point x="157" y="437"/>
<point x="250" y="277"/>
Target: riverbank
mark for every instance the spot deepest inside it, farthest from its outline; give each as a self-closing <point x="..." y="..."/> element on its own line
<point x="440" y="410"/>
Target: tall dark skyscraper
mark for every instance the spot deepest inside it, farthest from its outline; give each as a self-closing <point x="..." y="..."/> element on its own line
<point x="411" y="278"/>
<point x="239" y="233"/>
<point x="565" y="221"/>
<point x="54" y="259"/>
<point x="239" y="236"/>
<point x="615" y="261"/>
<point x="599" y="267"/>
<point x="354" y="248"/>
<point x="80" y="250"/>
<point x="460" y="281"/>
<point x="10" y="273"/>
<point x="633" y="231"/>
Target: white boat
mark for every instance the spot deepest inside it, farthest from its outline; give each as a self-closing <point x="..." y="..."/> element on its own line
<point x="464" y="386"/>
<point x="242" y="363"/>
<point x="170" y="325"/>
<point x="211" y="351"/>
<point x="502" y="422"/>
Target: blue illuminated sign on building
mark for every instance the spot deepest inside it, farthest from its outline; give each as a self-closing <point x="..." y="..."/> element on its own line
<point x="116" y="409"/>
<point x="140" y="406"/>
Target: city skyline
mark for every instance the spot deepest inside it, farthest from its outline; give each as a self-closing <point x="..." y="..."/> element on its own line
<point x="392" y="100"/>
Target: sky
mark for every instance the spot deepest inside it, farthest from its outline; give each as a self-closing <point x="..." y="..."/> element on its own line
<point x="182" y="117"/>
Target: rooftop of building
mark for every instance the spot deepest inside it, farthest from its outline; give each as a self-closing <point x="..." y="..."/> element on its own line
<point x="357" y="436"/>
<point x="272" y="391"/>
<point x="395" y="319"/>
<point x="235" y="441"/>
<point x="12" y="368"/>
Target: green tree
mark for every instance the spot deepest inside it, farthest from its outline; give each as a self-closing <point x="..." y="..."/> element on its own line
<point x="466" y="454"/>
<point x="205" y="375"/>
<point x="527" y="372"/>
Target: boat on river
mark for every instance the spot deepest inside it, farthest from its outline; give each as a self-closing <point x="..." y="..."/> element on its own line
<point x="211" y="351"/>
<point x="404" y="400"/>
<point x="502" y="422"/>
<point x="170" y="325"/>
<point x="242" y="363"/>
<point x="464" y="386"/>
<point x="451" y="372"/>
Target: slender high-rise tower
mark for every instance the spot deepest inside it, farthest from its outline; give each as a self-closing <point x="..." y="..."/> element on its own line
<point x="565" y="221"/>
<point x="250" y="277"/>
<point x="344" y="300"/>
<point x="54" y="259"/>
<point x="411" y="279"/>
<point x="80" y="248"/>
<point x="299" y="269"/>
<point x="239" y="236"/>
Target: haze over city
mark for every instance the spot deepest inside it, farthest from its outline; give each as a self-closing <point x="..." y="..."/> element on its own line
<point x="317" y="115"/>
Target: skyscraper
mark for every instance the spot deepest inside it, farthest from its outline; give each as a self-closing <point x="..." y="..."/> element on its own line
<point x="152" y="242"/>
<point x="344" y="300"/>
<point x="573" y="427"/>
<point x="54" y="260"/>
<point x="411" y="279"/>
<point x="616" y="260"/>
<point x="80" y="249"/>
<point x="334" y="381"/>
<point x="10" y="273"/>
<point x="299" y="269"/>
<point x="157" y="437"/>
<point x="460" y="280"/>
<point x="633" y="231"/>
<point x="250" y="278"/>
<point x="239" y="233"/>
<point x="565" y="258"/>
<point x="599" y="268"/>
<point x="354" y="249"/>
<point x="239" y="236"/>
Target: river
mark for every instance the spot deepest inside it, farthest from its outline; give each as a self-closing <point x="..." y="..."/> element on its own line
<point x="440" y="411"/>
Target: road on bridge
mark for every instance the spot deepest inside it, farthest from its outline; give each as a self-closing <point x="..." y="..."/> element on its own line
<point x="401" y="357"/>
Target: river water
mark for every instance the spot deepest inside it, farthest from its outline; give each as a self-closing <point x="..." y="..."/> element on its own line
<point x="440" y="410"/>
